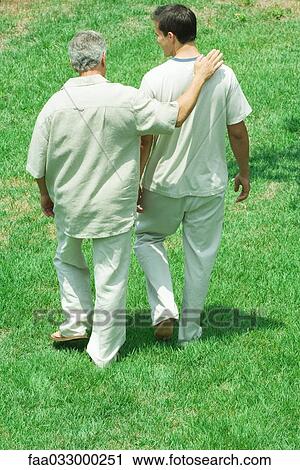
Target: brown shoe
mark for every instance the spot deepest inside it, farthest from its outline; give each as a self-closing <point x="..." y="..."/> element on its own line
<point x="164" y="329"/>
<point x="58" y="337"/>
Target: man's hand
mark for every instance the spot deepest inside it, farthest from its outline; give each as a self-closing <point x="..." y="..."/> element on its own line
<point x="245" y="183"/>
<point x="139" y="205"/>
<point x="47" y="205"/>
<point x="205" y="67"/>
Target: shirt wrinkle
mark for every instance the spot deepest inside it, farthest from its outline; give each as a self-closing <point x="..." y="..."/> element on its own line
<point x="193" y="161"/>
<point x="91" y="166"/>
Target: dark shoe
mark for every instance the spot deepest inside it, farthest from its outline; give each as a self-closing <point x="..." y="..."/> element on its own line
<point x="164" y="329"/>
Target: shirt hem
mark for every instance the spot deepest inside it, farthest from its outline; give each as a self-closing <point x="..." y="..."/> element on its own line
<point x="101" y="235"/>
<point x="166" y="193"/>
<point x="239" y="119"/>
<point x="33" y="173"/>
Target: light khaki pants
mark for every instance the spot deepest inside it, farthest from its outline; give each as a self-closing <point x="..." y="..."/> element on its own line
<point x="202" y="220"/>
<point x="106" y="317"/>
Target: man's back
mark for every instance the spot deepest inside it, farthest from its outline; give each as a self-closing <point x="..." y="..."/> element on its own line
<point x="192" y="160"/>
<point x="86" y="144"/>
<point x="92" y="154"/>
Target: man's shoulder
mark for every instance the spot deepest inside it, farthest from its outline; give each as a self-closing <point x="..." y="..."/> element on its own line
<point x="119" y="87"/>
<point x="50" y="106"/>
<point x="226" y="72"/>
<point x="158" y="71"/>
<point x="224" y="76"/>
<point x="122" y="96"/>
<point x="110" y="94"/>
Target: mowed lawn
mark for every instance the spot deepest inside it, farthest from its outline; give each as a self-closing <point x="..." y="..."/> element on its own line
<point x="237" y="388"/>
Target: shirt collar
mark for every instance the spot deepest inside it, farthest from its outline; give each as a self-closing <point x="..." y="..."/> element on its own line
<point x="189" y="59"/>
<point x="87" y="80"/>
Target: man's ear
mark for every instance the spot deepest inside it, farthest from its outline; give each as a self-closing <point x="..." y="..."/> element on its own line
<point x="103" y="59"/>
<point x="171" y="36"/>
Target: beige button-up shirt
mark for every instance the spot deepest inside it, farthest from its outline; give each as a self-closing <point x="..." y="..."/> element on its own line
<point x="86" y="143"/>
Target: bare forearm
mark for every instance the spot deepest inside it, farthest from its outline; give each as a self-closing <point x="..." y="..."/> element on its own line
<point x="240" y="149"/>
<point x="146" y="143"/>
<point x="188" y="100"/>
<point x="239" y="141"/>
<point x="42" y="186"/>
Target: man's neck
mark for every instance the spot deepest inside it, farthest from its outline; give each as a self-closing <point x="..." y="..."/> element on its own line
<point x="92" y="72"/>
<point x="186" y="51"/>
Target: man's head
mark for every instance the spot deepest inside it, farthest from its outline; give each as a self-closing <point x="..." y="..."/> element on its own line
<point x="174" y="24"/>
<point x="87" y="52"/>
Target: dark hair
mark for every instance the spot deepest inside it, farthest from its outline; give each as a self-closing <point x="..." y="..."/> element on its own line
<point x="178" y="20"/>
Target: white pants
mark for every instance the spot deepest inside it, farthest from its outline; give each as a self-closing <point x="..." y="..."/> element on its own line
<point x="106" y="318"/>
<point x="202" y="220"/>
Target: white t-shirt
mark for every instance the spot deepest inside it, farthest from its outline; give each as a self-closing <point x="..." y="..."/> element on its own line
<point x="86" y="144"/>
<point x="191" y="161"/>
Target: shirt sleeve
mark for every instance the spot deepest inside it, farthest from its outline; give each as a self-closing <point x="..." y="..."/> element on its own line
<point x="38" y="149"/>
<point x="237" y="106"/>
<point x="146" y="88"/>
<point x="153" y="117"/>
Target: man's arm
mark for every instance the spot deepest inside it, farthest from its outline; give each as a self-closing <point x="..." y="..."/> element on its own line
<point x="36" y="162"/>
<point x="46" y="202"/>
<point x="146" y="143"/>
<point x="154" y="117"/>
<point x="239" y="141"/>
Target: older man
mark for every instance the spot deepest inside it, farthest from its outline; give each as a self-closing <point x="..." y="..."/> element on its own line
<point x="186" y="176"/>
<point x="84" y="154"/>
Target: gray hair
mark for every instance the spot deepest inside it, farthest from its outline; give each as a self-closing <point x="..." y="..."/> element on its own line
<point x="86" y="50"/>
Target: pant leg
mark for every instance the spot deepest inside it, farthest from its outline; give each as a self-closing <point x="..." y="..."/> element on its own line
<point x="202" y="228"/>
<point x="161" y="217"/>
<point x="111" y="265"/>
<point x="74" y="281"/>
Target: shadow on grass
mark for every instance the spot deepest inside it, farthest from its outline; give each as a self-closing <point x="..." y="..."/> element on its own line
<point x="273" y="163"/>
<point x="77" y="344"/>
<point x="216" y="321"/>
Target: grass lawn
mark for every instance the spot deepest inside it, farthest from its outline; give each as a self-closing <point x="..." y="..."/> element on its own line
<point x="238" y="387"/>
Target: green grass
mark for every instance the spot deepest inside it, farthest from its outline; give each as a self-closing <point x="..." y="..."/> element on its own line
<point x="239" y="386"/>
